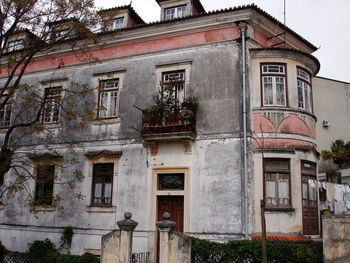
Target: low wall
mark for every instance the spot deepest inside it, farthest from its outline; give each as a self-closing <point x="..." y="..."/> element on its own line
<point x="336" y="238"/>
<point x="179" y="248"/>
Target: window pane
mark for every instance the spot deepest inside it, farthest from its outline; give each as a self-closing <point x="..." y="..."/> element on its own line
<point x="170" y="13"/>
<point x="102" y="183"/>
<point x="171" y="181"/>
<point x="268" y="93"/>
<point x="112" y="104"/>
<point x="280" y="91"/>
<point x="119" y="23"/>
<point x="270" y="188"/>
<point x="281" y="165"/>
<point x="181" y="11"/>
<point x="283" y="189"/>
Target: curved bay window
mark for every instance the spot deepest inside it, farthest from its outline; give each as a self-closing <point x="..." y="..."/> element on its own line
<point x="273" y="85"/>
<point x="304" y="90"/>
<point x="277" y="183"/>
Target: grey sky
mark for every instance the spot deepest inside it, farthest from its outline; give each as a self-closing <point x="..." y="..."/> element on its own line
<point x="325" y="23"/>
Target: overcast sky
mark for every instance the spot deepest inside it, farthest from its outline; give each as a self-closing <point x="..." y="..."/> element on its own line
<point x="324" y="23"/>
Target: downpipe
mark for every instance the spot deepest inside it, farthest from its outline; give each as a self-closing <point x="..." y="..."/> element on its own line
<point x="242" y="28"/>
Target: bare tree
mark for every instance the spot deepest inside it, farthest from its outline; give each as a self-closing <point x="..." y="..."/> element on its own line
<point x="30" y="29"/>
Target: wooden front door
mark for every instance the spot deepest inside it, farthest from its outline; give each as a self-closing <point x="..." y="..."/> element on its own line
<point x="309" y="199"/>
<point x="174" y="205"/>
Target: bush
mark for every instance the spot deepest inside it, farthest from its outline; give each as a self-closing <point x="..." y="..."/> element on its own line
<point x="42" y="251"/>
<point x="46" y="251"/>
<point x="204" y="251"/>
<point x="2" y="252"/>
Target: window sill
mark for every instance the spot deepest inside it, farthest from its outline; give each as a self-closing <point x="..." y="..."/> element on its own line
<point x="52" y="125"/>
<point x="279" y="209"/>
<point x="105" y="121"/>
<point x="43" y="208"/>
<point x="100" y="209"/>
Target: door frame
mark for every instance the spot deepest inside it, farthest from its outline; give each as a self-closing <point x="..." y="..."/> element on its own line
<point x="155" y="193"/>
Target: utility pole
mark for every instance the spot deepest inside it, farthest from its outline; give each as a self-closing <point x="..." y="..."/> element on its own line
<point x="263" y="231"/>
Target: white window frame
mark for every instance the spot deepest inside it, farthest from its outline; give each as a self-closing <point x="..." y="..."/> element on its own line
<point x="304" y="90"/>
<point x="5" y="112"/>
<point x="178" y="11"/>
<point x="15" y="45"/>
<point x="117" y="24"/>
<point x="179" y="67"/>
<point x="274" y="74"/>
<point x="99" y="82"/>
<point x="56" y="99"/>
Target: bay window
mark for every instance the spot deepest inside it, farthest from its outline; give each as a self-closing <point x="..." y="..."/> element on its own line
<point x="274" y="91"/>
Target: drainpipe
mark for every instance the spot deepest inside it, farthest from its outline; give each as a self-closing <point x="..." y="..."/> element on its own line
<point x="242" y="27"/>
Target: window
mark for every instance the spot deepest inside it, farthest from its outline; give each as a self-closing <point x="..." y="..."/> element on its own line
<point x="108" y="98"/>
<point x="52" y="104"/>
<point x="304" y="90"/>
<point x="102" y="182"/>
<point x="5" y="113"/>
<point x="14" y="45"/>
<point x="45" y="175"/>
<point x="175" y="12"/>
<point x="119" y="23"/>
<point x="174" y="82"/>
<point x="273" y="85"/>
<point x="171" y="181"/>
<point x="277" y="183"/>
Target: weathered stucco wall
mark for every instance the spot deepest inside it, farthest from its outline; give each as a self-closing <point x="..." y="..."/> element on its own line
<point x="331" y="103"/>
<point x="215" y="191"/>
<point x="336" y="238"/>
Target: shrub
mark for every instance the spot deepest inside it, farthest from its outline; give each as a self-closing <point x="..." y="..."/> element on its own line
<point x="42" y="251"/>
<point x="2" y="252"/>
<point x="204" y="251"/>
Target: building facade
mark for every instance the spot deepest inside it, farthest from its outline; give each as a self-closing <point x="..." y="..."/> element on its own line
<point x="252" y="135"/>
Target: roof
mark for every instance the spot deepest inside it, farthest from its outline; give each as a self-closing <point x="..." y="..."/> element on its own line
<point x="131" y="10"/>
<point x="291" y="50"/>
<point x="227" y="10"/>
<point x="197" y="3"/>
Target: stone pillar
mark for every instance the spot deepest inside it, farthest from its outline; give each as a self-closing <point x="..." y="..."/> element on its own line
<point x="164" y="227"/>
<point x="127" y="226"/>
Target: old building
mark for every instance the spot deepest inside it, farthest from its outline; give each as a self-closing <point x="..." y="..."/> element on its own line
<point x="209" y="169"/>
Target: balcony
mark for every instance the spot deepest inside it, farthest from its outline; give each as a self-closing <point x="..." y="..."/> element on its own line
<point x="169" y="123"/>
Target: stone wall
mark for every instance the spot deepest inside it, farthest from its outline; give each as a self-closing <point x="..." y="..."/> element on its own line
<point x="336" y="238"/>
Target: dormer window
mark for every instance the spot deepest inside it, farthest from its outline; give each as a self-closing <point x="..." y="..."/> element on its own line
<point x="14" y="45"/>
<point x="175" y="12"/>
<point x="119" y="23"/>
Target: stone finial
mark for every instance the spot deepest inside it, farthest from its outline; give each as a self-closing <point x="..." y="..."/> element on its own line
<point x="127" y="224"/>
<point x="166" y="223"/>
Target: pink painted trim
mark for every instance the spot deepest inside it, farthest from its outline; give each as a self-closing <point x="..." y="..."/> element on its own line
<point x="144" y="47"/>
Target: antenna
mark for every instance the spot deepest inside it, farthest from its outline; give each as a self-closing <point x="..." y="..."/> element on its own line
<point x="284" y="31"/>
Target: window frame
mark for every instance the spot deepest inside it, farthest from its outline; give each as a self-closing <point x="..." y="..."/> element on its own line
<point x="52" y="98"/>
<point x="309" y="83"/>
<point x="176" y="10"/>
<point x="18" y="44"/>
<point x="278" y="206"/>
<point x="183" y="82"/>
<point x="37" y="199"/>
<point x="10" y="105"/>
<point x="94" y="176"/>
<point x="274" y="86"/>
<point x="104" y="77"/>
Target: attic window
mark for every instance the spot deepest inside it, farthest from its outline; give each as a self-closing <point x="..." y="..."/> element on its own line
<point x="15" y="44"/>
<point x="119" y="23"/>
<point x="175" y="12"/>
